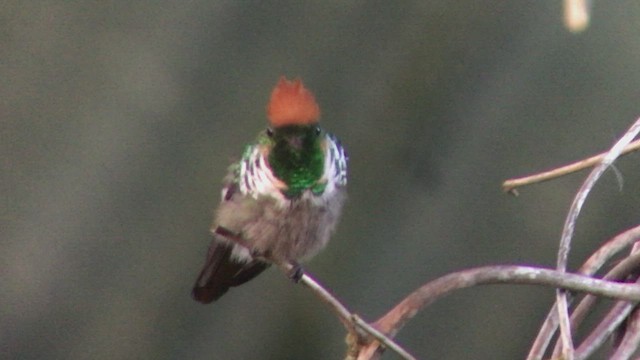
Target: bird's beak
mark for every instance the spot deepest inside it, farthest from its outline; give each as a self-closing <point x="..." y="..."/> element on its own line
<point x="295" y="142"/>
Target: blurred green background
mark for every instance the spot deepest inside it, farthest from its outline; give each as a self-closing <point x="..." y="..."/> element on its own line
<point x="118" y="121"/>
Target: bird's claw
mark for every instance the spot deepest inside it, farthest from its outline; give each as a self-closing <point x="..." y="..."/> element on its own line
<point x="296" y="272"/>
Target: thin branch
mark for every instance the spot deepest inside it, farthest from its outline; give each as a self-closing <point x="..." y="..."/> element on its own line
<point x="630" y="337"/>
<point x="582" y="310"/>
<point x="566" y="337"/>
<point x="610" y="249"/>
<point x="341" y="311"/>
<point x="622" y="270"/>
<point x="569" y="227"/>
<point x="395" y="319"/>
<point x="625" y="269"/>
<point x="586" y="187"/>
<point x="354" y="324"/>
<point x="590" y="267"/>
<point x="629" y="343"/>
<point x="442" y="286"/>
<point x="360" y="329"/>
<point x="511" y="185"/>
<point x="379" y="335"/>
<point x="604" y="329"/>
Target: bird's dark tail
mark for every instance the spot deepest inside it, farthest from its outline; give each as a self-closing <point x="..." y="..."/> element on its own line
<point x="221" y="271"/>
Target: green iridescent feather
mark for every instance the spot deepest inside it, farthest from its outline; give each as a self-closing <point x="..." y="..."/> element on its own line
<point x="297" y="158"/>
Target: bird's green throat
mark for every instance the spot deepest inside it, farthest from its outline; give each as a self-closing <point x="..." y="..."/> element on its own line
<point x="297" y="157"/>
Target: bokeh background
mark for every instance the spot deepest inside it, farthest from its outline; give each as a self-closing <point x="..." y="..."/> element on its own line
<point x="118" y="121"/>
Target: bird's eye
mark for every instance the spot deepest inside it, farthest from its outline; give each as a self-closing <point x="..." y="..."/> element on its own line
<point x="317" y="130"/>
<point x="269" y="132"/>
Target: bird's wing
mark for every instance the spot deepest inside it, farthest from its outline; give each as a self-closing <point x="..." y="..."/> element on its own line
<point x="222" y="271"/>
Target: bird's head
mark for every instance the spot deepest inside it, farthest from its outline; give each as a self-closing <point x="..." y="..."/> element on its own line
<point x="294" y="139"/>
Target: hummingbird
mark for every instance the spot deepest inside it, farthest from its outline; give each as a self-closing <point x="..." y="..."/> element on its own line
<point x="281" y="201"/>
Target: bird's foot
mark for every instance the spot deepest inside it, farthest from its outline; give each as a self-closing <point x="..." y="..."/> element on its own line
<point x="296" y="272"/>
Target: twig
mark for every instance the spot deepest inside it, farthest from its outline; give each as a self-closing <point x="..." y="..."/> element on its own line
<point x="629" y="343"/>
<point x="511" y="185"/>
<point x="590" y="267"/>
<point x="605" y="328"/>
<point x="618" y="273"/>
<point x="352" y="322"/>
<point x="620" y="311"/>
<point x="395" y="319"/>
<point x="630" y="340"/>
<point x="569" y="227"/>
<point x="621" y="271"/>
<point x="379" y="335"/>
<point x="343" y="313"/>
<point x="566" y="337"/>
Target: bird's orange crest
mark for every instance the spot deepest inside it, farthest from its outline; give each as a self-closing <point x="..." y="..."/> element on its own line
<point x="292" y="104"/>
